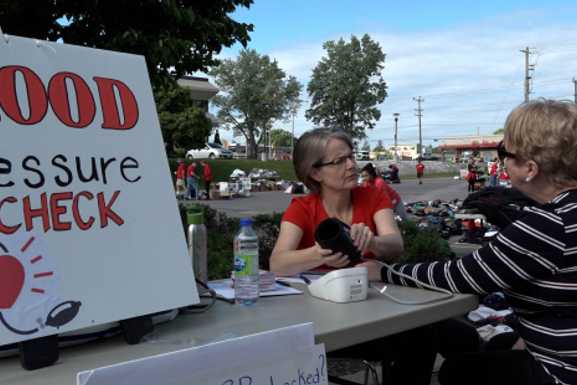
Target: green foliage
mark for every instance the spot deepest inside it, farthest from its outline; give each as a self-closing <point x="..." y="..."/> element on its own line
<point x="267" y="227"/>
<point x="423" y="244"/>
<point x="183" y="125"/>
<point x="175" y="36"/>
<point x="280" y="138"/>
<point x="500" y="131"/>
<point x="220" y="234"/>
<point x="255" y="93"/>
<point x="346" y="86"/>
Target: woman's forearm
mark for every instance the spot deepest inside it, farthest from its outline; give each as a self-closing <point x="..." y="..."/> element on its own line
<point x="387" y="247"/>
<point x="293" y="262"/>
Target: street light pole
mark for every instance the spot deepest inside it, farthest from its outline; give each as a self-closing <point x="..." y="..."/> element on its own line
<point x="419" y="111"/>
<point x="293" y="137"/>
<point x="396" y="116"/>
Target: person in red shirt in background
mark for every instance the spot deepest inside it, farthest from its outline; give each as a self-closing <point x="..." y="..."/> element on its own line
<point x="207" y="177"/>
<point x="420" y="170"/>
<point x="191" y="181"/>
<point x="180" y="179"/>
<point x="504" y="177"/>
<point x="471" y="177"/>
<point x="394" y="173"/>
<point x="370" y="177"/>
<point x="493" y="168"/>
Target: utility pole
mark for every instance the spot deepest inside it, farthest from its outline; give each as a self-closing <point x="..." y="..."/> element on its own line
<point x="396" y="116"/>
<point x="575" y="92"/>
<point x="528" y="69"/>
<point x="419" y="114"/>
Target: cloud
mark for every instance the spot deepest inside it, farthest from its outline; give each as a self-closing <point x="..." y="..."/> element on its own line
<point x="470" y="75"/>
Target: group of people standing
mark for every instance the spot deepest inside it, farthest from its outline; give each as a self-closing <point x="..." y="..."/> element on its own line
<point x="188" y="177"/>
<point x="496" y="171"/>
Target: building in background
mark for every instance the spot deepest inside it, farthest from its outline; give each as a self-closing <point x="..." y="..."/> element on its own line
<point x="201" y="91"/>
<point x="409" y="151"/>
<point x="458" y="149"/>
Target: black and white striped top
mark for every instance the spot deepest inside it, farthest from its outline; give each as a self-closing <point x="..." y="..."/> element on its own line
<point x="534" y="262"/>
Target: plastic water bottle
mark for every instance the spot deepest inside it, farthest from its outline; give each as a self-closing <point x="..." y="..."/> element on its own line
<point x="246" y="274"/>
<point x="197" y="246"/>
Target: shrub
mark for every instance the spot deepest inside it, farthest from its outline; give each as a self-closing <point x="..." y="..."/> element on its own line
<point x="423" y="244"/>
<point x="220" y="234"/>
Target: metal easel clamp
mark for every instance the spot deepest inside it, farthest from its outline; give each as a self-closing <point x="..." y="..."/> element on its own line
<point x="4" y="36"/>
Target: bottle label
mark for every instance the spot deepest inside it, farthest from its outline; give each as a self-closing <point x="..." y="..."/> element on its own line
<point x="244" y="264"/>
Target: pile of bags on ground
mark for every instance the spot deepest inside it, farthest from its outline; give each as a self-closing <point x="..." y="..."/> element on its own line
<point x="479" y="217"/>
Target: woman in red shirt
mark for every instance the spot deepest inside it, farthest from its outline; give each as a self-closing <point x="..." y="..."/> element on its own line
<point x="324" y="161"/>
<point x="370" y="178"/>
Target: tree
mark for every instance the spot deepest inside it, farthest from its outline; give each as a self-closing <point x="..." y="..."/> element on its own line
<point x="184" y="126"/>
<point x="379" y="147"/>
<point x="500" y="131"/>
<point x="255" y="93"/>
<point x="175" y="36"/>
<point x="366" y="146"/>
<point x="346" y="86"/>
<point x="280" y="138"/>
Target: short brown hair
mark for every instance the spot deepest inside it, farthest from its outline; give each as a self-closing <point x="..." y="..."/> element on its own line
<point x="545" y="131"/>
<point x="310" y="149"/>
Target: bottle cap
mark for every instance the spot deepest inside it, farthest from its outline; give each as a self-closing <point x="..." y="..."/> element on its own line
<point x="246" y="221"/>
<point x="194" y="218"/>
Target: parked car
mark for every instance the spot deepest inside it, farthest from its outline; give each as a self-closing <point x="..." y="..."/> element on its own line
<point x="362" y="155"/>
<point x="210" y="151"/>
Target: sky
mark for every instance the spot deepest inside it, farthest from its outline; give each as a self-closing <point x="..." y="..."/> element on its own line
<point x="462" y="57"/>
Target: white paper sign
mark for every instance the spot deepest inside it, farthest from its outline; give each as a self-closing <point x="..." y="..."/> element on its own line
<point x="89" y="226"/>
<point x="286" y="356"/>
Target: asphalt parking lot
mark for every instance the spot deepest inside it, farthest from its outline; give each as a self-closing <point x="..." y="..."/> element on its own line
<point x="268" y="202"/>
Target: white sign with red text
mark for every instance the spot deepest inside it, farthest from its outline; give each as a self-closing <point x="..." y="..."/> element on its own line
<point x="89" y="227"/>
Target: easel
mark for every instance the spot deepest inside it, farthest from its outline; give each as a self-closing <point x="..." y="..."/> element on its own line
<point x="42" y="352"/>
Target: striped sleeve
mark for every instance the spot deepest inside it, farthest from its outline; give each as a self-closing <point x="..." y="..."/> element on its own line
<point x="530" y="248"/>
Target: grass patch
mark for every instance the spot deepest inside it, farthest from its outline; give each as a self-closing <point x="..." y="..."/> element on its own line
<point x="222" y="168"/>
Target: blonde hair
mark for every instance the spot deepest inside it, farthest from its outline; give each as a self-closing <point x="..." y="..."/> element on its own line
<point x="545" y="131"/>
<point x="309" y="151"/>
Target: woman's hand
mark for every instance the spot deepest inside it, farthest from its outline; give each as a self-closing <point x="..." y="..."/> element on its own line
<point x="332" y="259"/>
<point x="374" y="269"/>
<point x="362" y="236"/>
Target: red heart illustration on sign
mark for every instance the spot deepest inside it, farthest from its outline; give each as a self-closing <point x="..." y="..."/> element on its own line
<point x="11" y="280"/>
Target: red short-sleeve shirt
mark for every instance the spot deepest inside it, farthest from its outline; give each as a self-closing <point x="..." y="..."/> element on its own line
<point x="384" y="186"/>
<point x="308" y="211"/>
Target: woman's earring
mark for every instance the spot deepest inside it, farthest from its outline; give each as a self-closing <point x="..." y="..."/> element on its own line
<point x="528" y="179"/>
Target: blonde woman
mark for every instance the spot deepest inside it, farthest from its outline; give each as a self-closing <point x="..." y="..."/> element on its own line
<point x="533" y="260"/>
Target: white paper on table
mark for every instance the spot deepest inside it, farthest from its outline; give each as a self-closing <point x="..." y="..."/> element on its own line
<point x="224" y="289"/>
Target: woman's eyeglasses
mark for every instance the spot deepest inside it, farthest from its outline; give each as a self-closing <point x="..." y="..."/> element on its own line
<point x="336" y="162"/>
<point x="502" y="153"/>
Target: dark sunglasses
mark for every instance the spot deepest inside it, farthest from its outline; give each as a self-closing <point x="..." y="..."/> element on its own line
<point x="502" y="153"/>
